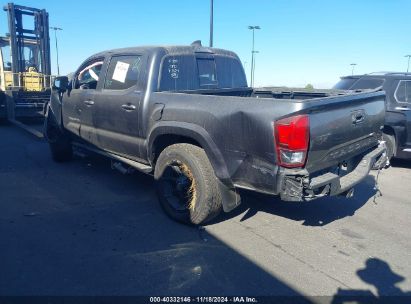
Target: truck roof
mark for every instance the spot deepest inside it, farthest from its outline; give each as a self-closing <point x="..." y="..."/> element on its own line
<point x="192" y="49"/>
<point x="384" y="75"/>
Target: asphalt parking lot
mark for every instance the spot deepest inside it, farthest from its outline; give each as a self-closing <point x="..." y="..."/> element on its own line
<point x="81" y="228"/>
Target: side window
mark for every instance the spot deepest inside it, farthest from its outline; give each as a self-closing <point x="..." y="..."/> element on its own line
<point x="178" y="74"/>
<point x="403" y="91"/>
<point x="207" y="72"/>
<point x="345" y="83"/>
<point x="88" y="76"/>
<point x="230" y="73"/>
<point x="123" y="72"/>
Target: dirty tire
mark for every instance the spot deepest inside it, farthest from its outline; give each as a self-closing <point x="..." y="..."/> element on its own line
<point x="59" y="142"/>
<point x="390" y="144"/>
<point x="187" y="187"/>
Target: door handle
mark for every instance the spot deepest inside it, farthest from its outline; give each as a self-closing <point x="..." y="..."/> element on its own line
<point x="402" y="109"/>
<point x="88" y="102"/>
<point x="128" y="107"/>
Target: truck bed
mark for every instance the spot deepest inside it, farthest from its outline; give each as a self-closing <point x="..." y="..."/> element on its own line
<point x="275" y="92"/>
<point x="242" y="127"/>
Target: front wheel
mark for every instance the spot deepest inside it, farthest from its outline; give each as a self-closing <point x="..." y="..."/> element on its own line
<point x="59" y="142"/>
<point x="186" y="185"/>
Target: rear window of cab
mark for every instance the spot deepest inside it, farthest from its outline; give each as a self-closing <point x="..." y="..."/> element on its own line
<point x="189" y="72"/>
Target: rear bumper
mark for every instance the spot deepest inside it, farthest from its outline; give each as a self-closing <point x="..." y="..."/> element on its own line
<point x="297" y="188"/>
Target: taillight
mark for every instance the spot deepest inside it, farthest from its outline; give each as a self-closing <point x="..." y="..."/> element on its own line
<point x="292" y="136"/>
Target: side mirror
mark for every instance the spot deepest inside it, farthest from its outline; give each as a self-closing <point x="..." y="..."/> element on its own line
<point x="60" y="83"/>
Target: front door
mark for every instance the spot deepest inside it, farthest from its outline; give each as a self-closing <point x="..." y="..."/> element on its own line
<point x="71" y="102"/>
<point x="116" y="107"/>
<point x="80" y="102"/>
<point x="402" y="98"/>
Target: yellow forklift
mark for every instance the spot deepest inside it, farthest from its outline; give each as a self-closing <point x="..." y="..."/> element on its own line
<point x="25" y="67"/>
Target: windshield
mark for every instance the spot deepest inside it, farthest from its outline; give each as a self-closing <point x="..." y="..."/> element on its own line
<point x="367" y="83"/>
<point x="364" y="83"/>
<point x="345" y="83"/>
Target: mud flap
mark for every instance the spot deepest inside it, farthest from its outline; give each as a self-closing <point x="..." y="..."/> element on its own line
<point x="230" y="198"/>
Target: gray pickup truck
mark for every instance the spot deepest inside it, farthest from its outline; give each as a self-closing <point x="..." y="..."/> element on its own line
<point x="186" y="115"/>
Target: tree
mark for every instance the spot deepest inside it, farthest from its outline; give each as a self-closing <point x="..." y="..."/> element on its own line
<point x="309" y="87"/>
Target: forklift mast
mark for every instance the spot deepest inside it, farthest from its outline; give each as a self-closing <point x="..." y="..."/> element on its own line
<point x="21" y="36"/>
<point x="25" y="81"/>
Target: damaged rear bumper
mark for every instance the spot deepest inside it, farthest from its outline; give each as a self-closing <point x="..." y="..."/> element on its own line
<point x="305" y="188"/>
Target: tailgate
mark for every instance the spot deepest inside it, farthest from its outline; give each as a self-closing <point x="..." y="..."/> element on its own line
<point x="343" y="127"/>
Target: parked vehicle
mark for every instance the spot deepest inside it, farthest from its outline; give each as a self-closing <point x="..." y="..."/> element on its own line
<point x="186" y="114"/>
<point x="397" y="127"/>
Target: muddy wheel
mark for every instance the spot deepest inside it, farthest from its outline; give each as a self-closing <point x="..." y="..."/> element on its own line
<point x="59" y="142"/>
<point x="186" y="184"/>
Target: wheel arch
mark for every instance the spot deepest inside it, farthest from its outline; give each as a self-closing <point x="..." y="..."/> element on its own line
<point x="165" y="134"/>
<point x="389" y="130"/>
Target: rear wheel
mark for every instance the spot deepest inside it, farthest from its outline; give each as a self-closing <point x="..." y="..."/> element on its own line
<point x="187" y="187"/>
<point x="59" y="142"/>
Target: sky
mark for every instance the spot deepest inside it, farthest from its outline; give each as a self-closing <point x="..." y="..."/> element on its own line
<point x="300" y="42"/>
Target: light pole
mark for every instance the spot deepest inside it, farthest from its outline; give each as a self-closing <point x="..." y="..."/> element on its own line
<point x="211" y="21"/>
<point x="255" y="57"/>
<point x="408" y="66"/>
<point x="57" y="48"/>
<point x="352" y="68"/>
<point x="253" y="28"/>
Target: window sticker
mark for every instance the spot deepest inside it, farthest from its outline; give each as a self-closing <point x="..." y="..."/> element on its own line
<point x="173" y="68"/>
<point x="120" y="72"/>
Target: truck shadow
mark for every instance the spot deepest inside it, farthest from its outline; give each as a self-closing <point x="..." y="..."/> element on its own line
<point x="318" y="212"/>
<point x="80" y="228"/>
<point x="401" y="163"/>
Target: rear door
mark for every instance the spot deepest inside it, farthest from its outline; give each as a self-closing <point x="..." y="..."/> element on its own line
<point x="116" y="107"/>
<point x="402" y="99"/>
